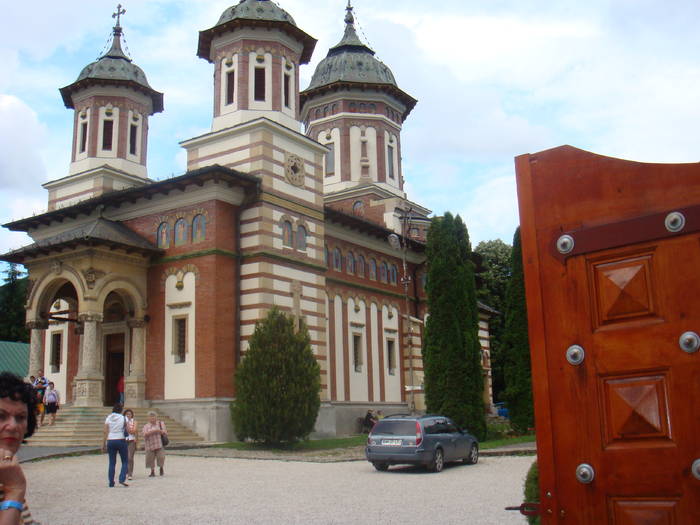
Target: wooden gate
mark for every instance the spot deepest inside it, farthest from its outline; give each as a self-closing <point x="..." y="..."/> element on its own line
<point x="611" y="251"/>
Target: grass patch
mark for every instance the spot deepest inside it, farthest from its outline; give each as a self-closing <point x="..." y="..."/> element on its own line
<point x="494" y="443"/>
<point x="311" y="445"/>
<point x="308" y="445"/>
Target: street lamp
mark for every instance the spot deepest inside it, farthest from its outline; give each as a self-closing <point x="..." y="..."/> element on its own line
<point x="401" y="244"/>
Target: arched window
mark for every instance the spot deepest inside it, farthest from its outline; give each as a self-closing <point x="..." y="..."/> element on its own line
<point x="301" y="238"/>
<point x="325" y="111"/>
<point x="287" y="234"/>
<point x="360" y="266"/>
<point x="358" y="208"/>
<point x="372" y="108"/>
<point x="350" y="263"/>
<point x="393" y="274"/>
<point x="325" y="254"/>
<point x="318" y="112"/>
<point x="423" y="280"/>
<point x="383" y="272"/>
<point x="163" y="235"/>
<point x="199" y="228"/>
<point x="334" y="109"/>
<point x="180" y="232"/>
<point x="373" y="269"/>
<point x="353" y="107"/>
<point x="337" y="260"/>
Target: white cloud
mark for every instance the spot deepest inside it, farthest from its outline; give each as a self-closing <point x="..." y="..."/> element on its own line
<point x="21" y="165"/>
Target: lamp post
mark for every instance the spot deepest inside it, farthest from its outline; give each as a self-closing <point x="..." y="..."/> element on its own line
<point x="401" y="244"/>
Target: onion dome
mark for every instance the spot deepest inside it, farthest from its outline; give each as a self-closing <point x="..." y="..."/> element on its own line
<point x="351" y="62"/>
<point x="255" y="13"/>
<point x="113" y="68"/>
<point x="256" y="10"/>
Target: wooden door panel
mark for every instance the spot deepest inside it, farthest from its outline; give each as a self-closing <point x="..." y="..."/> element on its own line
<point x="629" y="409"/>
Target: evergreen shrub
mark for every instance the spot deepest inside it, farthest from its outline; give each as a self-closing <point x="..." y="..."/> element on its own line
<point x="277" y="383"/>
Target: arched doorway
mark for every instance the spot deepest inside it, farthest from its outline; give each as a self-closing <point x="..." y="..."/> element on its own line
<point x="115" y="343"/>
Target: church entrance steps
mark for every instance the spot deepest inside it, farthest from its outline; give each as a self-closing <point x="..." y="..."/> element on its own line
<point x="82" y="427"/>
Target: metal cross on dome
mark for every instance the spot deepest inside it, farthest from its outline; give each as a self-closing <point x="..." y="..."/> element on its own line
<point x="119" y="13"/>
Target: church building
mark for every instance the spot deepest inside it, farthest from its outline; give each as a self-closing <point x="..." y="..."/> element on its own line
<point x="294" y="198"/>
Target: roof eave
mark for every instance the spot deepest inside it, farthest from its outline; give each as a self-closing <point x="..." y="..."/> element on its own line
<point x="86" y="207"/>
<point x="206" y="36"/>
<point x="391" y="89"/>
<point x="67" y="91"/>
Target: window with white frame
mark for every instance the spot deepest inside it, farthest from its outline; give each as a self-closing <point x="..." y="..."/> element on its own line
<point x="179" y="340"/>
<point x="391" y="356"/>
<point x="55" y="356"/>
<point x="357" y="352"/>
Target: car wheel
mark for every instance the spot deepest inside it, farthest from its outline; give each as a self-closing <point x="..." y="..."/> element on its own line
<point x="381" y="467"/>
<point x="438" y="461"/>
<point x="473" y="456"/>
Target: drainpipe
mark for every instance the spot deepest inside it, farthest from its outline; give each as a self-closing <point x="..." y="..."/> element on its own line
<point x="237" y="315"/>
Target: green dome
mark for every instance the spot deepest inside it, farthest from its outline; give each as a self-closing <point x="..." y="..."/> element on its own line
<point x="115" y="65"/>
<point x="256" y="10"/>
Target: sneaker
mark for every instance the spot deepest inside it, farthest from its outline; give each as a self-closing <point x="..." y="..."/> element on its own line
<point x="161" y="471"/>
<point x="129" y="478"/>
<point x="152" y="475"/>
<point x="123" y="484"/>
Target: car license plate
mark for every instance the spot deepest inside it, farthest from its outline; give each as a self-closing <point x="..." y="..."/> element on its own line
<point x="392" y="442"/>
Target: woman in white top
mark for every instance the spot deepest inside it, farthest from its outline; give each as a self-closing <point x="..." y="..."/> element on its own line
<point x="132" y="440"/>
<point x="114" y="442"/>
<point x="52" y="400"/>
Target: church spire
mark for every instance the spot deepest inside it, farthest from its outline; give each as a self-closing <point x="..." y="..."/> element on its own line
<point x="116" y="49"/>
<point x="350" y="38"/>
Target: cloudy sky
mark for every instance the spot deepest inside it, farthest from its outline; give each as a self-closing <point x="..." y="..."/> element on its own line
<point x="494" y="79"/>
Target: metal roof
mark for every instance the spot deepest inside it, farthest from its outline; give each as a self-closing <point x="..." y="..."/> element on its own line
<point x="14" y="357"/>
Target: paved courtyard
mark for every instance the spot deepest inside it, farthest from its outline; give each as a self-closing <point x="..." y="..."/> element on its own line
<point x="74" y="491"/>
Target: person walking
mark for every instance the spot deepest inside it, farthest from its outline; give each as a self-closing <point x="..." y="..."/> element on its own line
<point x="114" y="442"/>
<point x="153" y="432"/>
<point x="120" y="389"/>
<point x="40" y="384"/>
<point x="52" y="400"/>
<point x="131" y="441"/>
<point x="17" y="422"/>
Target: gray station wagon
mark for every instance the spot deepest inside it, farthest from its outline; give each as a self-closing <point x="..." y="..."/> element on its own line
<point x="419" y="440"/>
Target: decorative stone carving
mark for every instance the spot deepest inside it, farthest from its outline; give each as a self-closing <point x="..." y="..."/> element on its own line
<point x="90" y="317"/>
<point x="136" y="323"/>
<point x="92" y="275"/>
<point x="38" y="324"/>
<point x="56" y="267"/>
<point x="294" y="170"/>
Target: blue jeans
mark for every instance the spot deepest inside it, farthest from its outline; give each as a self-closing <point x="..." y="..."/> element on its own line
<point x="114" y="446"/>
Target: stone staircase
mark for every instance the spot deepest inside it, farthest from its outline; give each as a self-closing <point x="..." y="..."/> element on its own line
<point x="83" y="426"/>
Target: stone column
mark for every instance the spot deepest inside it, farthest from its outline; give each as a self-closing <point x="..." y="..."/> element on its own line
<point x="38" y="331"/>
<point x="135" y="382"/>
<point x="90" y="380"/>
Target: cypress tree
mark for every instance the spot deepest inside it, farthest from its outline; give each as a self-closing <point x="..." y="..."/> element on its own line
<point x="516" y="348"/>
<point x="277" y="383"/>
<point x="494" y="281"/>
<point x="451" y="353"/>
<point x="13" y="296"/>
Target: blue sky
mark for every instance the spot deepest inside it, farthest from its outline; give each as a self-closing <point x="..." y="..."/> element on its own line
<point x="493" y="79"/>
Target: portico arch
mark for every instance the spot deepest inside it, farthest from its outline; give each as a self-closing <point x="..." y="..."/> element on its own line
<point x="123" y="305"/>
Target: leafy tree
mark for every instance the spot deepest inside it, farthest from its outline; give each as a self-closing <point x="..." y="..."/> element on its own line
<point x="277" y="383"/>
<point x="516" y="348"/>
<point x="451" y="352"/>
<point x="493" y="281"/>
<point x="12" y="313"/>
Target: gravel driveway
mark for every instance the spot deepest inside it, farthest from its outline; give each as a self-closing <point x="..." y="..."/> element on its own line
<point x="224" y="490"/>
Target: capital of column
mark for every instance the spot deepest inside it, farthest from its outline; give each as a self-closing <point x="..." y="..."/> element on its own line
<point x="136" y="323"/>
<point x="89" y="317"/>
<point x="37" y="324"/>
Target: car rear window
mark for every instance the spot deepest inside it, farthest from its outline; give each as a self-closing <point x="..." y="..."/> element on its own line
<point x="396" y="428"/>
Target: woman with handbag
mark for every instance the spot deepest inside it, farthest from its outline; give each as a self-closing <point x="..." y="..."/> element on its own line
<point x="155" y="437"/>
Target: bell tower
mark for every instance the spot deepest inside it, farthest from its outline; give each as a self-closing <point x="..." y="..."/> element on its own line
<point x="112" y="101"/>
<point x="256" y="49"/>
<point x="354" y="107"/>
